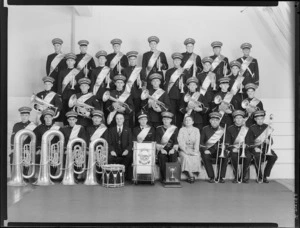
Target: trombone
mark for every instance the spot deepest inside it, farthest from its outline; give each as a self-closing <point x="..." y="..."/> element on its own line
<point x="222" y="155"/>
<point x="243" y="155"/>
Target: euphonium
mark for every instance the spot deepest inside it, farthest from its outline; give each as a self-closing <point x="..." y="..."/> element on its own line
<point x="74" y="157"/>
<point x="73" y="102"/>
<point x="145" y="95"/>
<point x="51" y="155"/>
<point x="42" y="105"/>
<point x="98" y="156"/>
<point x="28" y="160"/>
<point x="106" y="96"/>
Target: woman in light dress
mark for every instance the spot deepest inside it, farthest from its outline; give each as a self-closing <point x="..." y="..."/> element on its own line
<point x="189" y="141"/>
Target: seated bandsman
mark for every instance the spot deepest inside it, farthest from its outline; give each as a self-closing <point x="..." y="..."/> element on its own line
<point x="55" y="62"/>
<point x="166" y="143"/>
<point x="121" y="102"/>
<point x="116" y="61"/>
<point x="207" y="80"/>
<point x="211" y="138"/>
<point x="144" y="132"/>
<point x="84" y="102"/>
<point x="67" y="83"/>
<point x="251" y="104"/>
<point x="220" y="64"/>
<point x="153" y="61"/>
<point x="24" y="124"/>
<point x="237" y="138"/>
<point x="191" y="61"/>
<point x="157" y="102"/>
<point x="175" y="80"/>
<point x="120" y="145"/>
<point x="49" y="97"/>
<point x="249" y="65"/>
<point x="236" y="83"/>
<point x="194" y="104"/>
<point x="98" y="129"/>
<point x="40" y="130"/>
<point x="260" y="142"/>
<point x="225" y="102"/>
<point x="84" y="62"/>
<point x="134" y="84"/>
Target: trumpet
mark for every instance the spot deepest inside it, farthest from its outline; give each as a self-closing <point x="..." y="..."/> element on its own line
<point x="106" y="96"/>
<point x="75" y="157"/>
<point x="145" y="95"/>
<point x="98" y="155"/>
<point x="28" y="150"/>
<point x="78" y="106"/>
<point x="246" y="105"/>
<point x="218" y="100"/>
<point x="40" y="105"/>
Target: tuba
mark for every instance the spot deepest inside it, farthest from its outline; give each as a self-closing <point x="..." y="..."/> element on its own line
<point x="106" y="96"/>
<point x="218" y="100"/>
<point x="145" y="95"/>
<point x="75" y="157"/>
<point x="51" y="155"/>
<point x="42" y="105"/>
<point x="28" y="159"/>
<point x="98" y="155"/>
<point x="77" y="105"/>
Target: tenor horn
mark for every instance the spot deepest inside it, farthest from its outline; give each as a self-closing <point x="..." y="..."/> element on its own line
<point x="218" y="99"/>
<point x="76" y="158"/>
<point x="73" y="102"/>
<point x="28" y="160"/>
<point x="98" y="155"/>
<point x="246" y="104"/>
<point x="106" y="96"/>
<point x="145" y="95"/>
<point x="51" y="155"/>
<point x="42" y="105"/>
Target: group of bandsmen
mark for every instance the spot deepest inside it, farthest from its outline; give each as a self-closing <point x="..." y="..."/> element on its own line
<point x="122" y="102"/>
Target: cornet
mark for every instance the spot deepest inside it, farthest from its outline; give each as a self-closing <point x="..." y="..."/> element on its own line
<point x="78" y="106"/>
<point x="106" y="96"/>
<point x="145" y="95"/>
<point x="40" y="105"/>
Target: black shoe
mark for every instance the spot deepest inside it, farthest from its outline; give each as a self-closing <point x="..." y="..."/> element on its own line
<point x="245" y="181"/>
<point x="211" y="180"/>
<point x="265" y="180"/>
<point x="234" y="181"/>
<point x="222" y="181"/>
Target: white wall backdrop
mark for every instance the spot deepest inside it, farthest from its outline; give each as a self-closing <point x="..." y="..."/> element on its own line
<point x="32" y="28"/>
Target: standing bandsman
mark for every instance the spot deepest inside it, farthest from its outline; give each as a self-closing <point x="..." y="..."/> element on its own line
<point x="251" y="104"/>
<point x="174" y="86"/>
<point x="49" y="97"/>
<point x="191" y="61"/>
<point x="211" y="138"/>
<point x="55" y="62"/>
<point x="225" y="102"/>
<point x="67" y="83"/>
<point x="134" y="84"/>
<point x="220" y="64"/>
<point x="166" y="143"/>
<point x="260" y="142"/>
<point x="85" y="102"/>
<point x="144" y="132"/>
<point x="237" y="138"/>
<point x="154" y="61"/>
<point x="24" y="124"/>
<point x="236" y="83"/>
<point x="194" y="104"/>
<point x="156" y="100"/>
<point x="116" y="61"/>
<point x="121" y="103"/>
<point x="249" y="65"/>
<point x="84" y="62"/>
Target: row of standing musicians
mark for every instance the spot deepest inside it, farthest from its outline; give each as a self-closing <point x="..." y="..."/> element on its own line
<point x="237" y="142"/>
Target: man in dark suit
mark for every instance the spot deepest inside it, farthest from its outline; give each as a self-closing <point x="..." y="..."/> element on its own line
<point x="120" y="146"/>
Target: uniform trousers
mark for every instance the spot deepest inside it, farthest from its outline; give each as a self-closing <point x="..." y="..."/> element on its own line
<point x="162" y="159"/>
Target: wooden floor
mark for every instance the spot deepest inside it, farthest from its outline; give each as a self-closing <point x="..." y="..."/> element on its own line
<point x="199" y="202"/>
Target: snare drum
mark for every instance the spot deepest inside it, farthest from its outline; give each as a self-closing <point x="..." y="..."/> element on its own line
<point x="113" y="175"/>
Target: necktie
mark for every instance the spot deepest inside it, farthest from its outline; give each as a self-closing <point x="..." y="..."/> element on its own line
<point x="119" y="131"/>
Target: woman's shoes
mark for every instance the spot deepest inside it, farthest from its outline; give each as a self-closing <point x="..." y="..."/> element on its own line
<point x="191" y="180"/>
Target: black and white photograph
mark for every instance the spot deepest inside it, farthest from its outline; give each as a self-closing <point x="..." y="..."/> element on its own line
<point x="152" y="114"/>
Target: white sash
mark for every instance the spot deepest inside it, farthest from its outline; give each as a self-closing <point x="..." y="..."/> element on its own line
<point x="85" y="97"/>
<point x="191" y="61"/>
<point x="54" y="127"/>
<point x="55" y="62"/>
<point x="214" y="138"/>
<point x="216" y="62"/>
<point x="74" y="132"/>
<point x="70" y="76"/>
<point x="210" y="78"/>
<point x="263" y="136"/>
<point x="48" y="98"/>
<point x="115" y="60"/>
<point x="100" y="78"/>
<point x="227" y="99"/>
<point x="152" y="61"/>
<point x="237" y="84"/>
<point x="241" y="136"/>
<point x="173" y="79"/>
<point x="143" y="134"/>
<point x="30" y="127"/>
<point x="167" y="135"/>
<point x="245" y="65"/>
<point x="84" y="61"/>
<point x="99" y="132"/>
<point x="133" y="77"/>
<point x="122" y="99"/>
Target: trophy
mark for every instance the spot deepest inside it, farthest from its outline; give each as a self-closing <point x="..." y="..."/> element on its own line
<point x="173" y="172"/>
